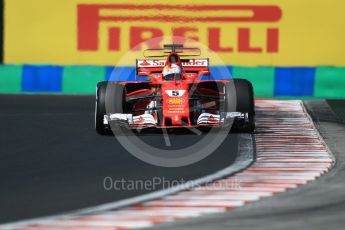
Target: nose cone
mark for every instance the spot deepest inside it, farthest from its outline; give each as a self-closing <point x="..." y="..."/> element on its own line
<point x="176" y="103"/>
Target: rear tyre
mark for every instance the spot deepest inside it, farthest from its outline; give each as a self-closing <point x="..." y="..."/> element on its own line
<point x="109" y="99"/>
<point x="244" y="104"/>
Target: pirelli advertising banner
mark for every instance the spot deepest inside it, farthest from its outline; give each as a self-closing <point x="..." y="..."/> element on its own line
<point x="241" y="32"/>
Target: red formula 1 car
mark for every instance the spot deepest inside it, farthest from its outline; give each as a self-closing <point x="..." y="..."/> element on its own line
<point x="175" y="94"/>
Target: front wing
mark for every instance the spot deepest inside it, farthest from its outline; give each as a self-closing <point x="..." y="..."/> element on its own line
<point x="149" y="121"/>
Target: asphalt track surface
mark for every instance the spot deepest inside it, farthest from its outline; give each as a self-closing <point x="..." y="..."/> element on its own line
<point x="52" y="161"/>
<point x="317" y="205"/>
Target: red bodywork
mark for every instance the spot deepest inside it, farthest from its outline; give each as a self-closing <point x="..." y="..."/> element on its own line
<point x="175" y="95"/>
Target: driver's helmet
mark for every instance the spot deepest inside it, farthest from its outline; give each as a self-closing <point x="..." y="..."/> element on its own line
<point x="172" y="66"/>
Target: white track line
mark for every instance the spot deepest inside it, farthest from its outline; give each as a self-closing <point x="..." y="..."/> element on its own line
<point x="245" y="158"/>
<point x="290" y="152"/>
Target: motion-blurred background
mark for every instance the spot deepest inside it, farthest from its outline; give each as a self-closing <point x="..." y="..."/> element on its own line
<point x="287" y="49"/>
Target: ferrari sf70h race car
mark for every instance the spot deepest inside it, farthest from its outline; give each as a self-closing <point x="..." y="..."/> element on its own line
<point x="177" y="92"/>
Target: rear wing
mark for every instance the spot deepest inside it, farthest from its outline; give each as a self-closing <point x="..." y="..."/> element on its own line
<point x="157" y="65"/>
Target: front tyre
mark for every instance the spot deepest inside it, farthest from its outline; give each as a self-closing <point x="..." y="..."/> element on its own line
<point x="109" y="99"/>
<point x="244" y="104"/>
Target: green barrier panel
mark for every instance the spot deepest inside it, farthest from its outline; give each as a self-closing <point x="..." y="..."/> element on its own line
<point x="82" y="79"/>
<point x="329" y="82"/>
<point x="10" y="78"/>
<point x="262" y="79"/>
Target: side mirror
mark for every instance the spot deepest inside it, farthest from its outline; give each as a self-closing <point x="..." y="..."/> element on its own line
<point x="204" y="73"/>
<point x="143" y="74"/>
